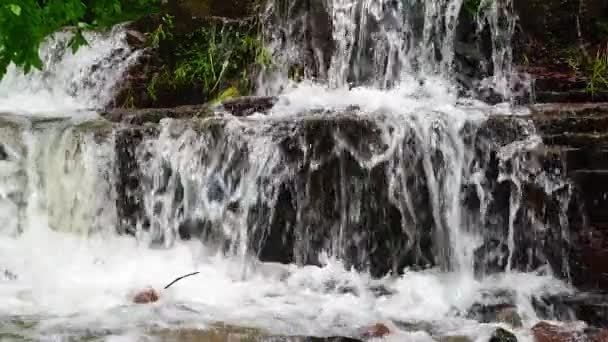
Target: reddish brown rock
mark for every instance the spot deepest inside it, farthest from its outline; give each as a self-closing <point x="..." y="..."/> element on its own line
<point x="377" y="330"/>
<point x="146" y="296"/>
<point x="546" y="332"/>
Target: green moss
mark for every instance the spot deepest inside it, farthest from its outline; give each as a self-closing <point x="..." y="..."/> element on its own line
<point x="217" y="60"/>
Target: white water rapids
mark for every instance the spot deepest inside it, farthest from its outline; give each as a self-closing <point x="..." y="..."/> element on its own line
<point x="66" y="275"/>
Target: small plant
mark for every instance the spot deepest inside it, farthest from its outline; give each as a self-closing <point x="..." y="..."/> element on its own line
<point x="218" y="59"/>
<point x="598" y="72"/>
<point x="162" y="32"/>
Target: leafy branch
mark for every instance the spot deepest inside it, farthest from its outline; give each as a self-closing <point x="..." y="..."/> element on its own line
<point x="24" y="24"/>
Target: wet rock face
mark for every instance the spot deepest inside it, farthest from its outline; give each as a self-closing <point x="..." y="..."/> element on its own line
<point x="590" y="308"/>
<point x="313" y="174"/>
<point x="575" y="134"/>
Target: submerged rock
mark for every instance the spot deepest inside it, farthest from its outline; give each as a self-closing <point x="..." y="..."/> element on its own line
<point x="146" y="296"/>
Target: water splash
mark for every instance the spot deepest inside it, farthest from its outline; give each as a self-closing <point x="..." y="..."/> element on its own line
<point x="68" y="82"/>
<point x="60" y="176"/>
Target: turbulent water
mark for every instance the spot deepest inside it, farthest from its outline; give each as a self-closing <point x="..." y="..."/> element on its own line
<point x="373" y="181"/>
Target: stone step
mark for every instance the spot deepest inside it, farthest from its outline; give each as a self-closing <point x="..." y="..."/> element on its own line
<point x="585" y="159"/>
<point x="593" y="187"/>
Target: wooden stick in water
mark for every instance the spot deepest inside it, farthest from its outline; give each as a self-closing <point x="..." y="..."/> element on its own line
<point x="180" y="278"/>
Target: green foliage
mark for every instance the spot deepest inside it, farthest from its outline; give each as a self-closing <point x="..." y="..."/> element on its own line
<point x="471" y="7"/>
<point x="162" y="32"/>
<point x="598" y="73"/>
<point x="25" y="23"/>
<point x="594" y="69"/>
<point x="218" y="60"/>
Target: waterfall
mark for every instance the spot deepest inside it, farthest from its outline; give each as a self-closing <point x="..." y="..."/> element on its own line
<point x="376" y="189"/>
<point x="69" y="82"/>
<point x="386" y="43"/>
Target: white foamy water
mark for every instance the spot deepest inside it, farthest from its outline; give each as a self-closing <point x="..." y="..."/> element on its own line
<point x="69" y="84"/>
<point x="74" y="285"/>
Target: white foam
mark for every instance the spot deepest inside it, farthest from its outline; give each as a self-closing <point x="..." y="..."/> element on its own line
<point x="74" y="281"/>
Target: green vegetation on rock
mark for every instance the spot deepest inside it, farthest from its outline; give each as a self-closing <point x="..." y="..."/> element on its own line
<point x="215" y="61"/>
<point x="24" y="24"/>
<point x="594" y="67"/>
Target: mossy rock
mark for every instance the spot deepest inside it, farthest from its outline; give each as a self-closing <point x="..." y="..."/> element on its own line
<point x="503" y="335"/>
<point x="212" y="62"/>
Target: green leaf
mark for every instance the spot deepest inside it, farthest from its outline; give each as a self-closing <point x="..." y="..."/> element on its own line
<point x="77" y="41"/>
<point x="16" y="9"/>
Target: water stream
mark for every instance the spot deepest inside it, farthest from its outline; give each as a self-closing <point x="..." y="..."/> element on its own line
<point x="368" y="194"/>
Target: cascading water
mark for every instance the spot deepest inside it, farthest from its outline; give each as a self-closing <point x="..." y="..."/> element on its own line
<point x="385" y="43"/>
<point x="396" y="200"/>
<point x="69" y="82"/>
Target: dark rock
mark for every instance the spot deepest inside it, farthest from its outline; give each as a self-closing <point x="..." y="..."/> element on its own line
<point x="154" y="115"/>
<point x="503" y="335"/>
<point x="374" y="239"/>
<point x="247" y="105"/>
<point x="3" y="154"/>
<point x="591" y="308"/>
<point x="136" y="39"/>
